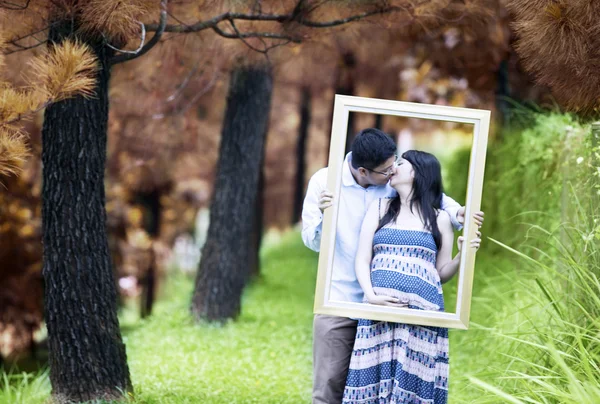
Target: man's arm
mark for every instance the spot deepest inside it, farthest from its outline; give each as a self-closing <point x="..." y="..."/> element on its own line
<point x="452" y="207"/>
<point x="312" y="217"/>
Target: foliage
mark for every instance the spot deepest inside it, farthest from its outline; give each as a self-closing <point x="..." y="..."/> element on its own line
<point x="65" y="70"/>
<point x="538" y="339"/>
<point x="558" y="43"/>
<point x="456" y="170"/>
<point x="529" y="174"/>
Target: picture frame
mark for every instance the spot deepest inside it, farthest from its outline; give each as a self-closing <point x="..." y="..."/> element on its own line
<point x="343" y="106"/>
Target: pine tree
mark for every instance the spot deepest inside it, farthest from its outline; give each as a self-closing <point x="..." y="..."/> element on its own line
<point x="559" y="44"/>
<point x="77" y="267"/>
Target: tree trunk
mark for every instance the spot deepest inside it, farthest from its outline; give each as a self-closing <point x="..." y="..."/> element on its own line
<point x="257" y="226"/>
<point x="345" y="86"/>
<point x="151" y="222"/>
<point x="502" y="94"/>
<point x="148" y="288"/>
<point x="87" y="356"/>
<point x="223" y="269"/>
<point x="305" y="116"/>
<point x="378" y="121"/>
<point x="150" y="201"/>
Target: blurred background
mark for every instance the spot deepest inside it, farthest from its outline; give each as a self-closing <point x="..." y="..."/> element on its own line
<point x="166" y="120"/>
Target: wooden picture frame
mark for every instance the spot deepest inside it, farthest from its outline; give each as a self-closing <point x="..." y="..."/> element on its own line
<point x="480" y="119"/>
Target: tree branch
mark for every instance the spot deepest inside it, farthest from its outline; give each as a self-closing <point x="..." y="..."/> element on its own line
<point x="31" y="34"/>
<point x="240" y="35"/>
<point x="13" y="6"/>
<point x="24" y="48"/>
<point x="328" y="24"/>
<point x="202" y="25"/>
<point x="281" y="18"/>
<point x="14" y="41"/>
<point x="157" y="35"/>
<point x="185" y="82"/>
<point x="135" y="52"/>
<point x="295" y="16"/>
<point x="180" y="111"/>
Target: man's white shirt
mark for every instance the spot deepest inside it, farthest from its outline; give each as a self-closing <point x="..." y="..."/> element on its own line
<point x="353" y="202"/>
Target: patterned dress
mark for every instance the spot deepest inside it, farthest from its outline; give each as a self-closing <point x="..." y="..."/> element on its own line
<point x="395" y="363"/>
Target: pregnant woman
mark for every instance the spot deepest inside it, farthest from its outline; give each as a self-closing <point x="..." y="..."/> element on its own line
<point x="404" y="255"/>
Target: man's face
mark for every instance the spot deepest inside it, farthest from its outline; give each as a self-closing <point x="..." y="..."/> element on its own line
<point x="381" y="174"/>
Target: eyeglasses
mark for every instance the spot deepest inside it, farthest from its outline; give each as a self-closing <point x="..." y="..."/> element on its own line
<point x="390" y="171"/>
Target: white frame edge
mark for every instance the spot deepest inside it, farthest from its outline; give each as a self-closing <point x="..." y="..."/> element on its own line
<point x="343" y="105"/>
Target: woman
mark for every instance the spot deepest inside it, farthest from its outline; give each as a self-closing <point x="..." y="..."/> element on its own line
<point x="404" y="256"/>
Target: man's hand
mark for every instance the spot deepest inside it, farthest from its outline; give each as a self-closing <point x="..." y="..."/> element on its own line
<point x="325" y="200"/>
<point x="478" y="216"/>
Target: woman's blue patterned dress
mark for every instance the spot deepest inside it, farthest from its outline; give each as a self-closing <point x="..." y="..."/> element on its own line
<point x="395" y="363"/>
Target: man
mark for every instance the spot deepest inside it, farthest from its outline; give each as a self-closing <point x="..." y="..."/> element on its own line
<point x="365" y="176"/>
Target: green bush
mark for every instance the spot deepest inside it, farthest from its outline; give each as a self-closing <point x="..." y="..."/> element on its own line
<point x="537" y="326"/>
<point x="457" y="170"/>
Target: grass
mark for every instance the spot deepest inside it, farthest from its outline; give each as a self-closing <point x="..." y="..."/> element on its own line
<point x="534" y="335"/>
<point x="557" y="361"/>
<point x="514" y="351"/>
<point x="263" y="357"/>
<point x="24" y="388"/>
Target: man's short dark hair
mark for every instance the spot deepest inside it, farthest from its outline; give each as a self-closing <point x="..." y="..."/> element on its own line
<point x="371" y="148"/>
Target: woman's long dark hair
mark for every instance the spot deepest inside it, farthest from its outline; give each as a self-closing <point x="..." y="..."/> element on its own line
<point x="426" y="192"/>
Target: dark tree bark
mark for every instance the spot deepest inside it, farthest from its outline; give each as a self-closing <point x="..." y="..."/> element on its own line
<point x="502" y="94"/>
<point x="86" y="352"/>
<point x="344" y="85"/>
<point x="152" y="210"/>
<point x="224" y="268"/>
<point x="149" y="288"/>
<point x="151" y="221"/>
<point x="378" y="121"/>
<point x="257" y="226"/>
<point x="305" y="116"/>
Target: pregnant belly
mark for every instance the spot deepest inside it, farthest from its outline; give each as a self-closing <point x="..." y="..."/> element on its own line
<point x="410" y="289"/>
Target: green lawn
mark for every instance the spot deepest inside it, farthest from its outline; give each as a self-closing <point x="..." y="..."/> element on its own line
<point x="265" y="356"/>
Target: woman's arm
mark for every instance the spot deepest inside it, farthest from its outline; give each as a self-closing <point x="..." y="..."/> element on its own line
<point x="445" y="265"/>
<point x="364" y="255"/>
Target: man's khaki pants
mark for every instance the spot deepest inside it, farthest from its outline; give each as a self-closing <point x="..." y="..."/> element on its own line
<point x="333" y="340"/>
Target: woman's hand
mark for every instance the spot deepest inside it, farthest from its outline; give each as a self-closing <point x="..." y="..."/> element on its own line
<point x="475" y="243"/>
<point x="383" y="300"/>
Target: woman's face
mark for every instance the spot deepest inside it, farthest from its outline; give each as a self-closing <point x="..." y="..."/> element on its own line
<point x="403" y="173"/>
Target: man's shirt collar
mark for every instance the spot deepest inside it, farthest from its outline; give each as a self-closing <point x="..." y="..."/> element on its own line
<point x="347" y="177"/>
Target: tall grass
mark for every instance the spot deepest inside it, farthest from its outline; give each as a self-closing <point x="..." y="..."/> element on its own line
<point x="24" y="388"/>
<point x="559" y="361"/>
<point x="541" y="336"/>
